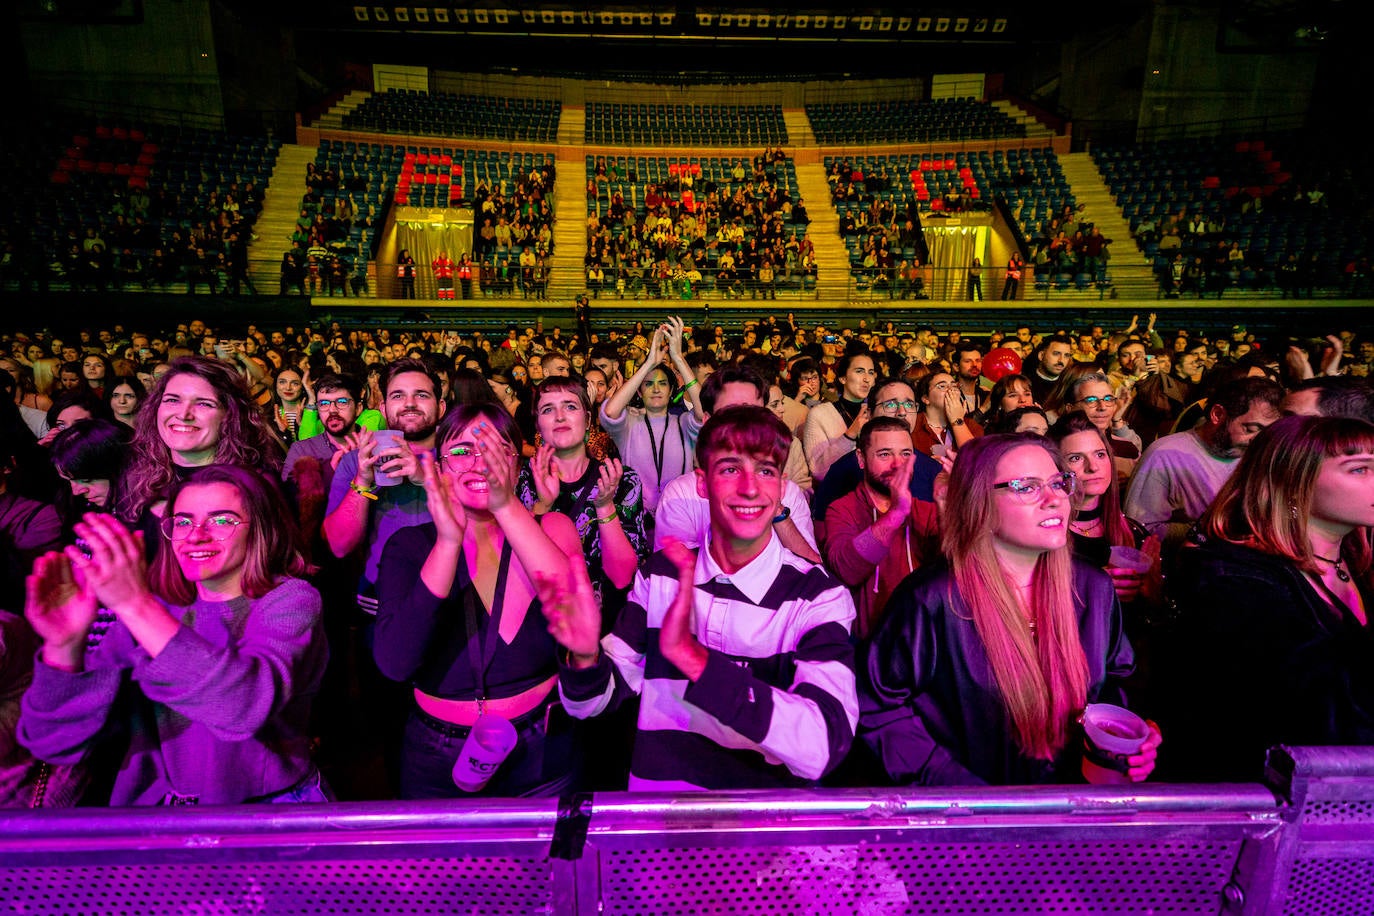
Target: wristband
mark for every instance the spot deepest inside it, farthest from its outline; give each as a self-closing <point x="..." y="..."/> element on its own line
<point x="364" y="492"/>
<point x="613" y="517"/>
<point x="783" y="516"/>
<point x="692" y="384"/>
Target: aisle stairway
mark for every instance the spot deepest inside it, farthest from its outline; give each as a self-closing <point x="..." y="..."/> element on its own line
<point x="281" y="205"/>
<point x="333" y="118"/>
<point x="1033" y="127"/>
<point x="832" y="258"/>
<point x="1128" y="269"/>
<point x="569" y="211"/>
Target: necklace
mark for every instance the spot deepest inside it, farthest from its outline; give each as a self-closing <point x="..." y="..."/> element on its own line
<point x="1336" y="565"/>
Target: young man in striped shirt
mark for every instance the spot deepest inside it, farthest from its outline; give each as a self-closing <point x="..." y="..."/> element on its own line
<point x="740" y="651"/>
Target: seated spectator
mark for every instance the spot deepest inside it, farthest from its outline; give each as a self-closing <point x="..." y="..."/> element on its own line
<point x="223" y="640"/>
<point x="1273" y="605"/>
<point x="982" y="663"/>
<point x="705" y="722"/>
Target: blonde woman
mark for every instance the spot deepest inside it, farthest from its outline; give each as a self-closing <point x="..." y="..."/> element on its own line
<point x="983" y="664"/>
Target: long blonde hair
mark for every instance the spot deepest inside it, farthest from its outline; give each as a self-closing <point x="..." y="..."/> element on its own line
<point x="1043" y="681"/>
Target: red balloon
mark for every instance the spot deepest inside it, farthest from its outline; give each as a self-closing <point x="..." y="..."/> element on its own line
<point x="1000" y="363"/>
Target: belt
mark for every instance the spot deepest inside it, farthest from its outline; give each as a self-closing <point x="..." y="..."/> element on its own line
<point x="449" y="730"/>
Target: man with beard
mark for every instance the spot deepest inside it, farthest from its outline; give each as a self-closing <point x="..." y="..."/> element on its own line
<point x="968" y="370"/>
<point x="1179" y="475"/>
<point x="878" y="534"/>
<point x="338" y="402"/>
<point x="1055" y="356"/>
<point x="362" y="514"/>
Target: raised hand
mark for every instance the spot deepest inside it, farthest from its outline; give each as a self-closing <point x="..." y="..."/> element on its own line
<point x="116" y="571"/>
<point x="1125" y="396"/>
<point x="546" y="476"/>
<point x="676" y="640"/>
<point x="450" y="520"/>
<point x="61" y="608"/>
<point x="674" y="327"/>
<point x="570" y="606"/>
<point x="608" y="483"/>
<point x="954" y="404"/>
<point x="857" y="426"/>
<point x="496" y="458"/>
<point x="367" y="457"/>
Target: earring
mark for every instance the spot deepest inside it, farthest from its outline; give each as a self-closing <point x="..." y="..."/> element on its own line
<point x="1293" y="509"/>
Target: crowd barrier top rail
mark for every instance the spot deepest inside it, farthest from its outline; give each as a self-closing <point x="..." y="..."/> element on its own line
<point x="1302" y="843"/>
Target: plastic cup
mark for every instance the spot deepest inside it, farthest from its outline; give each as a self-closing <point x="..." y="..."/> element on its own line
<point x="1130" y="558"/>
<point x="1113" y="735"/>
<point x="385" y="439"/>
<point x="488" y="744"/>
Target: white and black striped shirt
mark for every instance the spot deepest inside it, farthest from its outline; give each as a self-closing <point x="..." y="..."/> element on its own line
<point x="776" y="705"/>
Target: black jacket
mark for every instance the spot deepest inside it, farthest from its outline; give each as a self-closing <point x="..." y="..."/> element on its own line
<point x="1259" y="658"/>
<point x="929" y="705"/>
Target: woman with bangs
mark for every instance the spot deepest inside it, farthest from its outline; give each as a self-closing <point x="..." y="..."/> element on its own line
<point x="1012" y="392"/>
<point x="601" y="496"/>
<point x="983" y="663"/>
<point x="1273" y="643"/>
<point x="222" y="640"/>
<point x="199" y="414"/>
<point x="459" y="619"/>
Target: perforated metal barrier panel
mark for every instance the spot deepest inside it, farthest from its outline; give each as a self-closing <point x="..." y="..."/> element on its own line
<point x="1304" y="846"/>
<point x="366" y="887"/>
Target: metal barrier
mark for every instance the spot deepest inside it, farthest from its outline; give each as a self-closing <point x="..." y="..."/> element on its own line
<point x="1306" y="846"/>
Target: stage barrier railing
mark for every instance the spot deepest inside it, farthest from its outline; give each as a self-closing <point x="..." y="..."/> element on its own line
<point x="1303" y="843"/>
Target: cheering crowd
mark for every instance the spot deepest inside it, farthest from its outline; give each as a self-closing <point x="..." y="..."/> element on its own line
<point x="293" y="565"/>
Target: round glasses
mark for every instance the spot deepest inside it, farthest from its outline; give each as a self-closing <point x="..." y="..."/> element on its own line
<point x="893" y="405"/>
<point x="219" y="527"/>
<point x="1030" y="490"/>
<point x="462" y="457"/>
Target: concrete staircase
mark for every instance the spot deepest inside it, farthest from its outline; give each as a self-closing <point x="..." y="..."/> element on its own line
<point x="569" y="209"/>
<point x="1128" y="268"/>
<point x="1033" y="127"/>
<point x="276" y="223"/>
<point x="832" y="258"/>
<point x="333" y="118"/>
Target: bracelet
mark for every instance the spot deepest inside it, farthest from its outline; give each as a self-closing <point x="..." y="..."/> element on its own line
<point x="783" y="516"/>
<point x="364" y="492"/>
<point x="613" y="517"/>
<point x="693" y="383"/>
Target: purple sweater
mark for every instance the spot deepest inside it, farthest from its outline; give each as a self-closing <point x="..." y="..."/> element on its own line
<point x="220" y="714"/>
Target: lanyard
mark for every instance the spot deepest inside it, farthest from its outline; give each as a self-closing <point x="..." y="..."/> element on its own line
<point x="660" y="447"/>
<point x="481" y="659"/>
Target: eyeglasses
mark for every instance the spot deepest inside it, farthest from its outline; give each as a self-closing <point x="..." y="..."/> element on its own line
<point x="1093" y="400"/>
<point x="940" y="386"/>
<point x="461" y="457"/>
<point x="1028" y="490"/>
<point x="219" y="527"/>
<point x="895" y="405"/>
<point x="334" y="402"/>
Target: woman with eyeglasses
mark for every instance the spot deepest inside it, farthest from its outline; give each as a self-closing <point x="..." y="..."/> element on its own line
<point x="458" y="618"/>
<point x="1093" y="395"/>
<point x="222" y="641"/>
<point x="983" y="662"/>
<point x="941" y="421"/>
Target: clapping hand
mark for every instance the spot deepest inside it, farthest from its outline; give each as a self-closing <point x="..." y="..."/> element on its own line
<point x="676" y="640"/>
<point x="450" y="520"/>
<point x="570" y="606"/>
<point x="60" y="606"/>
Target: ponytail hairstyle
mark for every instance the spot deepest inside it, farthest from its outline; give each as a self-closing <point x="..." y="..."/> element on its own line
<point x="1043" y="681"/>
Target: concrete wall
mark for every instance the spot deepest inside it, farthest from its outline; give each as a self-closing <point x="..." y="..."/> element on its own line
<point x="163" y="68"/>
<point x="1187" y="81"/>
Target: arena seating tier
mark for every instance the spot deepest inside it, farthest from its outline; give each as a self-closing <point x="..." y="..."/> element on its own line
<point x="699" y="125"/>
<point x="910" y="121"/>
<point x="410" y="111"/>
